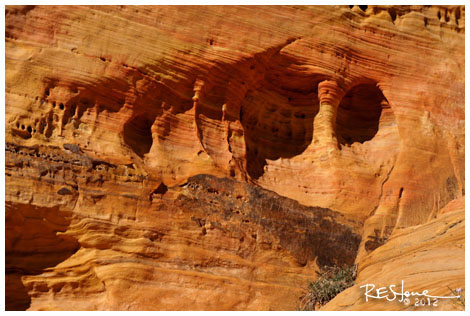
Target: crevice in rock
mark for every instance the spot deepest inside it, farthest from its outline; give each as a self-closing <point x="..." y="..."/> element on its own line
<point x="137" y="134"/>
<point x="381" y="191"/>
<point x="158" y="192"/>
<point x="400" y="194"/>
<point x="393" y="14"/>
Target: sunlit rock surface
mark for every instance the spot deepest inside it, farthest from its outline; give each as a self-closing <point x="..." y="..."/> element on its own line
<point x="355" y="117"/>
<point x="429" y="257"/>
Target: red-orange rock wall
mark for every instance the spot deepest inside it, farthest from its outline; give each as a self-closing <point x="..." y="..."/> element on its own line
<point x="359" y="112"/>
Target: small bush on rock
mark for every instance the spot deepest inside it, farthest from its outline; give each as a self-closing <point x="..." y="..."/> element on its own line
<point x="331" y="281"/>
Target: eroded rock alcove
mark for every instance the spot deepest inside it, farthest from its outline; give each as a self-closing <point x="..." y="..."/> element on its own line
<point x="222" y="154"/>
<point x="277" y="117"/>
<point x="362" y="111"/>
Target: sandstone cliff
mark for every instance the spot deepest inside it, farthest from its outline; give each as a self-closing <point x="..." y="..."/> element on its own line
<point x="429" y="257"/>
<point x="211" y="157"/>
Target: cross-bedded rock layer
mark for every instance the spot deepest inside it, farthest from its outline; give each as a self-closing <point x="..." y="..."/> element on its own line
<point x="360" y="111"/>
<point x="430" y="258"/>
<point x="79" y="230"/>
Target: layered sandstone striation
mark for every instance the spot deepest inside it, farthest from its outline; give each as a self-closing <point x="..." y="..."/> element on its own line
<point x="429" y="257"/>
<point x="134" y="135"/>
<point x="98" y="236"/>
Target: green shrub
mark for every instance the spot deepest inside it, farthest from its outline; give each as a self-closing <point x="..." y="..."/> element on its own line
<point x="331" y="281"/>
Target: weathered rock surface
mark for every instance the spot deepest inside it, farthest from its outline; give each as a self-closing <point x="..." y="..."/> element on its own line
<point x="357" y="114"/>
<point x="428" y="257"/>
<point x="129" y="242"/>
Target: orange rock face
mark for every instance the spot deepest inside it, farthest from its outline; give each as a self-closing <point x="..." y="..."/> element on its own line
<point x="211" y="157"/>
<point x="429" y="257"/>
<point x="94" y="233"/>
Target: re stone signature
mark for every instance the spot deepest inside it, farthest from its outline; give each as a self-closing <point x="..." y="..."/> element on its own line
<point x="423" y="298"/>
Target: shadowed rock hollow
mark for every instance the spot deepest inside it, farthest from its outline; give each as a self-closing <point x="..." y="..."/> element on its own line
<point x="211" y="157"/>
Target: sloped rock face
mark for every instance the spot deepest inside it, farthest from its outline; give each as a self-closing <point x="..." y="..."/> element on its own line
<point x="134" y="243"/>
<point x="356" y="114"/>
<point x="429" y="257"/>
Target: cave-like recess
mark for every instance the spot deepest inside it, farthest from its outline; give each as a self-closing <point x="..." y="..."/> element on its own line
<point x="360" y="113"/>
